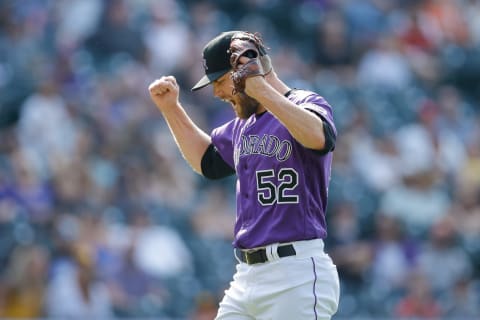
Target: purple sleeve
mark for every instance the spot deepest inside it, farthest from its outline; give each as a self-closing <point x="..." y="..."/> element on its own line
<point x="222" y="140"/>
<point x="319" y="106"/>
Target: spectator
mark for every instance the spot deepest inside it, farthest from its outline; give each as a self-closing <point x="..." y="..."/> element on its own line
<point x="419" y="302"/>
<point x="441" y="249"/>
<point x="384" y="66"/>
<point x="215" y="214"/>
<point x="465" y="207"/>
<point x="352" y="254"/>
<point x="166" y="27"/>
<point x="29" y="188"/>
<point x="115" y="35"/>
<point x="446" y="22"/>
<point x="159" y="250"/>
<point x="73" y="290"/>
<point x="205" y="307"/>
<point x="416" y="201"/>
<point x="22" y="287"/>
<point x="393" y="258"/>
<point x="333" y="44"/>
<point x="45" y="128"/>
<point x="463" y="300"/>
<point x="133" y="292"/>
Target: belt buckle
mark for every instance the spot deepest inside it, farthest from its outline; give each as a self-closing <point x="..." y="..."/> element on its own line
<point x="246" y="258"/>
<point x="247" y="255"/>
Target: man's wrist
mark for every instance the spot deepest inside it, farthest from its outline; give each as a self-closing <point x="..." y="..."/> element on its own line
<point x="254" y="86"/>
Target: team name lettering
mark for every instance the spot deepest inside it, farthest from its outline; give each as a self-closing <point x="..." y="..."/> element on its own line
<point x="268" y="145"/>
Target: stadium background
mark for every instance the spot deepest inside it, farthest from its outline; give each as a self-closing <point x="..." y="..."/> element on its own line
<point x="99" y="212"/>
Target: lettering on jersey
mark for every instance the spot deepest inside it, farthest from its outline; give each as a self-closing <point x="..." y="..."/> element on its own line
<point x="268" y="145"/>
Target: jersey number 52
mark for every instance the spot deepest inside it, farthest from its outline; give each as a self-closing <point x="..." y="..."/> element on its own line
<point x="269" y="192"/>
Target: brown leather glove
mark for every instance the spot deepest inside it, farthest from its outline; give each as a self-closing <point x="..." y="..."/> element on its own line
<point x="250" y="46"/>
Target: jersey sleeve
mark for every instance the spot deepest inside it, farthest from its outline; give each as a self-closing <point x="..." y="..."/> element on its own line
<point x="222" y="138"/>
<point x="213" y="165"/>
<point x="321" y="108"/>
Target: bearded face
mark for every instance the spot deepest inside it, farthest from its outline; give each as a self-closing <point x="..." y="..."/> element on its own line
<point x="244" y="106"/>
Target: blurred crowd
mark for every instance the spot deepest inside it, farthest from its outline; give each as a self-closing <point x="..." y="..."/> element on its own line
<point x="100" y="217"/>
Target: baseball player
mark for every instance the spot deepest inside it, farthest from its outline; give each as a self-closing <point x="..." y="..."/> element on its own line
<point x="280" y="147"/>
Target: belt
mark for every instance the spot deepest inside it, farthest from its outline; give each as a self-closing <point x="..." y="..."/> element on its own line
<point x="260" y="255"/>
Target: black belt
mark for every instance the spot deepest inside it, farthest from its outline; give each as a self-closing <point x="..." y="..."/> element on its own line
<point x="260" y="255"/>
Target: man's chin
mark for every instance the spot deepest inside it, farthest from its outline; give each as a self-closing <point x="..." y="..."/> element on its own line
<point x="245" y="106"/>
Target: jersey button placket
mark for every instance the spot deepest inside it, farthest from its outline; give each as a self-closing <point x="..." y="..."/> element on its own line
<point x="245" y="171"/>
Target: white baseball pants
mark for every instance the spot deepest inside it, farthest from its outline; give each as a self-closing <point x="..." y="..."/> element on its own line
<point x="300" y="287"/>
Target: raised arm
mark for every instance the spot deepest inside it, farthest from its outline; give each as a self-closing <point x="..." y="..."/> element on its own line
<point x="303" y="125"/>
<point x="190" y="139"/>
<point x="249" y="76"/>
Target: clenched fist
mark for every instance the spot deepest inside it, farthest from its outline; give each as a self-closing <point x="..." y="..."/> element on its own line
<point x="164" y="92"/>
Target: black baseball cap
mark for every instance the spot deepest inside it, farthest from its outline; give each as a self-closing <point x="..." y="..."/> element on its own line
<point x="216" y="59"/>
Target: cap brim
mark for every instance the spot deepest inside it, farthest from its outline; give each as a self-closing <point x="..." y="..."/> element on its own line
<point x="207" y="79"/>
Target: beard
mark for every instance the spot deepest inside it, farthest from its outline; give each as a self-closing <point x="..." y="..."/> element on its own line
<point x="245" y="106"/>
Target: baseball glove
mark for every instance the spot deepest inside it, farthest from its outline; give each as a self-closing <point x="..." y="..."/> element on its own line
<point x="251" y="46"/>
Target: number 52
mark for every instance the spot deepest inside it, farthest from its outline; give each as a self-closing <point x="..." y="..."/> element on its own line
<point x="268" y="192"/>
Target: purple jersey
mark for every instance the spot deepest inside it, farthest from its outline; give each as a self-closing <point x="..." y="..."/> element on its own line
<point x="282" y="186"/>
